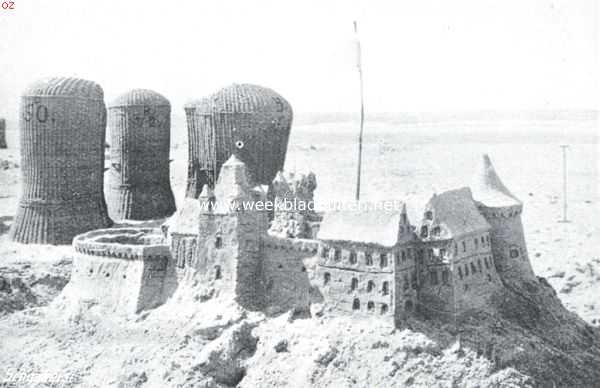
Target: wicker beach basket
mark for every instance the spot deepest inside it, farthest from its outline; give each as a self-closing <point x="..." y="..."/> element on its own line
<point x="2" y="133"/>
<point x="63" y="127"/>
<point x="138" y="179"/>
<point x="251" y="121"/>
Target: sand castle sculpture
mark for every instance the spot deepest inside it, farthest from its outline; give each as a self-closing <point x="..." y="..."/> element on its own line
<point x="138" y="177"/>
<point x="63" y="127"/>
<point x="468" y="244"/>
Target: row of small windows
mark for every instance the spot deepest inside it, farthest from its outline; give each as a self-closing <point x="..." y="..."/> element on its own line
<point x="385" y="286"/>
<point x="383" y="258"/>
<point x="483" y="240"/>
<point x="475" y="268"/>
<point x="370" y="306"/>
<point x="433" y="277"/>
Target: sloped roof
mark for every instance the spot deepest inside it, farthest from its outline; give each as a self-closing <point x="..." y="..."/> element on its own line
<point x="488" y="189"/>
<point x="455" y="211"/>
<point x="362" y="226"/>
<point x="185" y="221"/>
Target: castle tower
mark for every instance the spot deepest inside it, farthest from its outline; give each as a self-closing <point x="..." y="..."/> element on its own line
<point x="229" y="236"/>
<point x="294" y="214"/>
<point x="502" y="210"/>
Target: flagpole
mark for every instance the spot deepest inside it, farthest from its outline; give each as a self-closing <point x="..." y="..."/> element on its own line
<point x="362" y="112"/>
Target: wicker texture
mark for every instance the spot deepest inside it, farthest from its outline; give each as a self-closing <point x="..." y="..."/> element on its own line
<point x="249" y="121"/>
<point x="138" y="179"/>
<point x="2" y="133"/>
<point x="63" y="127"/>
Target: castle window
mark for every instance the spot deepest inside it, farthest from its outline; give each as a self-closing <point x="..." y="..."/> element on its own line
<point x="408" y="305"/>
<point x="352" y="257"/>
<point x="514" y="252"/>
<point x="217" y="272"/>
<point x="436" y="231"/>
<point x="445" y="276"/>
<point x="479" y="265"/>
<point x="442" y="253"/>
<point x="406" y="284"/>
<point x="473" y="268"/>
<point x="424" y="231"/>
<point x="326" y="278"/>
<point x="421" y="255"/>
<point x="433" y="277"/>
<point x="413" y="280"/>
<point x="218" y="241"/>
<point x="430" y="253"/>
<point x="466" y="270"/>
<point x="324" y="252"/>
<point x="370" y="306"/>
<point x="482" y="240"/>
<point x="356" y="304"/>
<point x="354" y="284"/>
<point x="460" y="275"/>
<point x="385" y="289"/>
<point x="464" y="245"/>
<point x="429" y="215"/>
<point x="403" y="256"/>
<point x="489" y="277"/>
<point x="337" y="254"/>
<point x="476" y="241"/>
<point x="384" y="309"/>
<point x="487" y="238"/>
<point x="487" y="264"/>
<point x="383" y="260"/>
<point x="410" y="252"/>
<point x="368" y="258"/>
<point x="396" y="258"/>
<point x="370" y="286"/>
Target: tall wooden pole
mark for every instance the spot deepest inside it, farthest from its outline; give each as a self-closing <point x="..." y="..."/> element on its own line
<point x="362" y="112"/>
<point x="564" y="155"/>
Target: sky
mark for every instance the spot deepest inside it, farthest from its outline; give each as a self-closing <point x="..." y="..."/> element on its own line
<point x="417" y="56"/>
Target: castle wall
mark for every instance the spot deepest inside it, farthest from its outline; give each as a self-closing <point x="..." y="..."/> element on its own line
<point x="352" y="283"/>
<point x="183" y="249"/>
<point x="473" y="271"/>
<point x="406" y="282"/>
<point x="285" y="277"/>
<point x="436" y="290"/>
<point x="227" y="255"/>
<point x="118" y="284"/>
<point x="508" y="243"/>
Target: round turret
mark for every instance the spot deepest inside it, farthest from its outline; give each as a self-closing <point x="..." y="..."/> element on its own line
<point x="502" y="210"/>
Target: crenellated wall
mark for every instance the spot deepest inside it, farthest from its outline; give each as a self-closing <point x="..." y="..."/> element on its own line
<point x="122" y="270"/>
<point x="285" y="277"/>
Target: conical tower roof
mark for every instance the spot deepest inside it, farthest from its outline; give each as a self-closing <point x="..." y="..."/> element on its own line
<point x="488" y="189"/>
